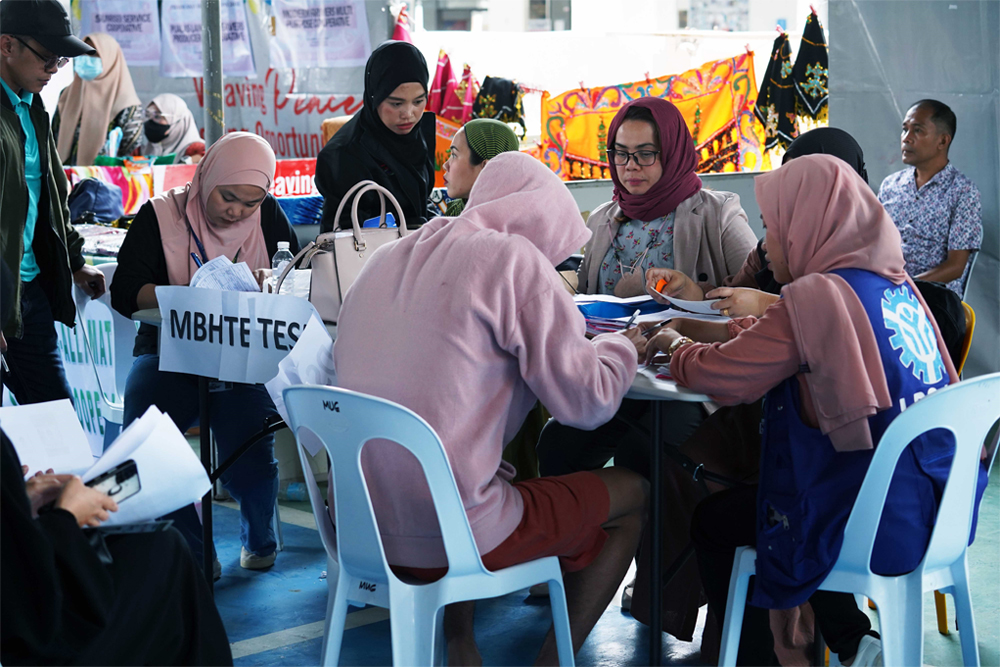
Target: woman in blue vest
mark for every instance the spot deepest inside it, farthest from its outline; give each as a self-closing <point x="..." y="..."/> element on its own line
<point x="849" y="346"/>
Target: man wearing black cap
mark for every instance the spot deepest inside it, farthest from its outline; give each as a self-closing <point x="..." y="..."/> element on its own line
<point x="35" y="41"/>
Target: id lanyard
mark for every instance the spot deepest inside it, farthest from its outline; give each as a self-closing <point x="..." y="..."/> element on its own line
<point x="201" y="248"/>
<point x="654" y="236"/>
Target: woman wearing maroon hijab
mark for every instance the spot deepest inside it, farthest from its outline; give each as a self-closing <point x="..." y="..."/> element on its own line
<point x="660" y="217"/>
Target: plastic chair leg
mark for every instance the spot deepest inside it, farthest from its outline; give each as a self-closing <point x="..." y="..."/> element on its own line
<point x="901" y="626"/>
<point x="336" y="617"/>
<point x="412" y="627"/>
<point x="744" y="564"/>
<point x="941" y="607"/>
<point x="276" y="523"/>
<point x="560" y="623"/>
<point x="963" y="614"/>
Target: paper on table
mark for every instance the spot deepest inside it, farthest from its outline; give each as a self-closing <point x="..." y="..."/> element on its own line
<point x="47" y="435"/>
<point x="170" y="474"/>
<point x="309" y="362"/>
<point x="222" y="274"/>
<point x="610" y="298"/>
<point x="701" y="307"/>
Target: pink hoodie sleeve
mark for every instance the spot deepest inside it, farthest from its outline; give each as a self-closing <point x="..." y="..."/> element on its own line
<point x="744" y="368"/>
<point x="581" y="382"/>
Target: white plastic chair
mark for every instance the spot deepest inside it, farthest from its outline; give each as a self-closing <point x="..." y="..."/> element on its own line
<point x="124" y="342"/>
<point x="967" y="410"/>
<point x="345" y="421"/>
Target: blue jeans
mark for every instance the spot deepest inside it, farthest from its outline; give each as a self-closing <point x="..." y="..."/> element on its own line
<point x="236" y="415"/>
<point x="36" y="369"/>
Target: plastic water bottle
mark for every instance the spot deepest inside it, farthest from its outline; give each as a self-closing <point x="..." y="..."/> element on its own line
<point x="278" y="263"/>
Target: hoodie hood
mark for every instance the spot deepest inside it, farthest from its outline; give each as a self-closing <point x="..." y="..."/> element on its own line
<point x="517" y="194"/>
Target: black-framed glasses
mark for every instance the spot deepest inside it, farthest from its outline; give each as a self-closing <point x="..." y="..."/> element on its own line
<point x="54" y="61"/>
<point x="642" y="158"/>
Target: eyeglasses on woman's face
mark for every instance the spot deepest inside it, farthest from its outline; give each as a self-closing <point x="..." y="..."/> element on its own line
<point x="642" y="158"/>
<point x="49" y="62"/>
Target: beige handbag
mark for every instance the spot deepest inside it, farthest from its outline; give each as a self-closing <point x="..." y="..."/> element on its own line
<point x="336" y="257"/>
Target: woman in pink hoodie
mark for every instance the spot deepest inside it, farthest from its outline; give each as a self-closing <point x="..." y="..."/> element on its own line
<point x="488" y="331"/>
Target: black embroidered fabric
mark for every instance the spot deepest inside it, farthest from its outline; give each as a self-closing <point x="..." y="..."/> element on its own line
<point x="503" y="100"/>
<point x="811" y="71"/>
<point x="776" y="102"/>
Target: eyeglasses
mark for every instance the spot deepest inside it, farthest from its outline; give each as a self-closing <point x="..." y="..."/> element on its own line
<point x="642" y="158"/>
<point x="157" y="116"/>
<point x="54" y="61"/>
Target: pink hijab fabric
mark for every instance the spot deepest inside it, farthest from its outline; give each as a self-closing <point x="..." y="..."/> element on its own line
<point x="825" y="217"/>
<point x="238" y="158"/>
<point x="677" y="155"/>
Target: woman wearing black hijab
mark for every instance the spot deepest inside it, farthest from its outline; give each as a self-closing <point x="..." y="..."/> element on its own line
<point x="390" y="141"/>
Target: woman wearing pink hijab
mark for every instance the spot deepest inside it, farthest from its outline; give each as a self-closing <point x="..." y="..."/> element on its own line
<point x="836" y="369"/>
<point x="224" y="210"/>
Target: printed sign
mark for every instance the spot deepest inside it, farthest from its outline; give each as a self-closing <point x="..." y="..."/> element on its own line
<point x="230" y="336"/>
<point x="320" y="33"/>
<point x="135" y="25"/>
<point x="181" y="46"/>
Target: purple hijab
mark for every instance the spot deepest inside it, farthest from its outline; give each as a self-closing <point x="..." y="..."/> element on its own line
<point x="677" y="155"/>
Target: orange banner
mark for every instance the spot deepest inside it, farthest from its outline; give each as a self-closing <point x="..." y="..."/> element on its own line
<point x="716" y="100"/>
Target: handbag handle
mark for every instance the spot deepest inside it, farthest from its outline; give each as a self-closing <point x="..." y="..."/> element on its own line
<point x="359" y="189"/>
<point x="308" y="252"/>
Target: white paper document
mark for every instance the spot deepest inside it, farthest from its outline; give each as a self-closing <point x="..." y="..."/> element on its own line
<point x="221" y="274"/>
<point x="170" y="475"/>
<point x="309" y="362"/>
<point x="610" y="298"/>
<point x="47" y="435"/>
<point x="701" y="307"/>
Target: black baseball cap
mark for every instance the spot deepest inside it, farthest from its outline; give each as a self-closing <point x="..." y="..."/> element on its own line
<point x="47" y="22"/>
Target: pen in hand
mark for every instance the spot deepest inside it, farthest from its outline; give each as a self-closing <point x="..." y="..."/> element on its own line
<point x="651" y="330"/>
<point x="632" y="319"/>
<point x="196" y="260"/>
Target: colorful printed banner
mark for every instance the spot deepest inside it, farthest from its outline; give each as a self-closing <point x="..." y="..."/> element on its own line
<point x="716" y="100"/>
<point x="320" y="33"/>
<point x="181" y="43"/>
<point x="137" y="187"/>
<point x="135" y="25"/>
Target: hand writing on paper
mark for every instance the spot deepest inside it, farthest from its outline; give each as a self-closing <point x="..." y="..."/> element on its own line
<point x="89" y="506"/>
<point x="677" y="285"/>
<point x="741" y="301"/>
<point x="638" y="340"/>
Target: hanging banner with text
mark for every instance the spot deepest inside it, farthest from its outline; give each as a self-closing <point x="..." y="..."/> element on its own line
<point x="135" y="25"/>
<point x="182" y="39"/>
<point x="228" y="336"/>
<point x="320" y="33"/>
<point x="289" y="121"/>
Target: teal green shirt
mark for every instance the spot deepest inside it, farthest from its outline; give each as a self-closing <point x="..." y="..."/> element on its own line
<point x="33" y="177"/>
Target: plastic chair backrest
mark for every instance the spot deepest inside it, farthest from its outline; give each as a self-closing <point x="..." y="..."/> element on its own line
<point x="124" y="331"/>
<point x="967" y="410"/>
<point x="968" y="275"/>
<point x="345" y="421"/>
<point x="327" y="532"/>
<point x="970" y="327"/>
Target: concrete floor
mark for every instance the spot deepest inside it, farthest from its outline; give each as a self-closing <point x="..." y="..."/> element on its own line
<point x="275" y="617"/>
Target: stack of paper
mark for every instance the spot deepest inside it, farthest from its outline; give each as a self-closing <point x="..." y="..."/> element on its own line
<point x="48" y="435"/>
<point x="221" y="274"/>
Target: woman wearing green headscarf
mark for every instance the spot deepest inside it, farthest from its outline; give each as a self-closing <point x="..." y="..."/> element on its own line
<point x="473" y="146"/>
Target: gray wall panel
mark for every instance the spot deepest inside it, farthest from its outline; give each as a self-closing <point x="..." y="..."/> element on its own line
<point x="886" y="55"/>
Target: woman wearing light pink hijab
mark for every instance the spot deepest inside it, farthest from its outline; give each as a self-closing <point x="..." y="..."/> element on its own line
<point x="849" y="345"/>
<point x="224" y="211"/>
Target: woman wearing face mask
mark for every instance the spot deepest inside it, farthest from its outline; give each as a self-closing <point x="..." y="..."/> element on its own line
<point x="660" y="216"/>
<point x="170" y="128"/>
<point x="224" y="210"/>
<point x="390" y="141"/>
<point x="100" y="99"/>
<point x="475" y="144"/>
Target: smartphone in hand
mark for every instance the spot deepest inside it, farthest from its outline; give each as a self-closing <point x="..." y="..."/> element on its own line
<point x="120" y="483"/>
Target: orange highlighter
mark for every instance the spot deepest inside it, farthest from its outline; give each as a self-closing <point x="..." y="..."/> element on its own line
<point x="660" y="285"/>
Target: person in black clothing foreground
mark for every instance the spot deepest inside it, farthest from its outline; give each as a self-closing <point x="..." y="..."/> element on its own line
<point x="62" y="605"/>
<point x="390" y="141"/>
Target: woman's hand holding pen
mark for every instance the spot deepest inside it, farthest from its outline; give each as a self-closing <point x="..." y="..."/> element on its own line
<point x="635" y="336"/>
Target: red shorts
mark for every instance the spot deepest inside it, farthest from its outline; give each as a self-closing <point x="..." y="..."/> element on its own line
<point x="563" y="516"/>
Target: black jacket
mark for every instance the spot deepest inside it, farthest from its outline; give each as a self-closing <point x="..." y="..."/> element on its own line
<point x="354" y="155"/>
<point x="141" y="262"/>
<point x="58" y="248"/>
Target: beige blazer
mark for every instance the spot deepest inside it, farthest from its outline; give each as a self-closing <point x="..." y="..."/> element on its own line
<point x="711" y="239"/>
